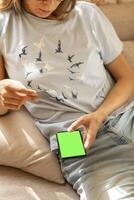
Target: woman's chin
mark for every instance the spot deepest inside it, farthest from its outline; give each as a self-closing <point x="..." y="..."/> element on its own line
<point x="43" y="14"/>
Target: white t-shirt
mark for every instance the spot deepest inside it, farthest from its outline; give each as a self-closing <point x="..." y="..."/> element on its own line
<point x="62" y="60"/>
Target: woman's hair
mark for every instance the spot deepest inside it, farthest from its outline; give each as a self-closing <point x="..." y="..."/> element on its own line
<point x="62" y="10"/>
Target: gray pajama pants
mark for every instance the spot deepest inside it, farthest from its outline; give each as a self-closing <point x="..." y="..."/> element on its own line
<point x="107" y="172"/>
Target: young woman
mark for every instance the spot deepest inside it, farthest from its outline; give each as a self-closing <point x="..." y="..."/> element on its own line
<point x="65" y="64"/>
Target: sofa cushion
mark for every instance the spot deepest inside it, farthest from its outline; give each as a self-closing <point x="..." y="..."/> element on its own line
<point x="129" y="52"/>
<point x="22" y="146"/>
<point x="18" y="185"/>
<point x="122" y="18"/>
<point x="125" y="1"/>
<point x="110" y="1"/>
<point x="103" y="1"/>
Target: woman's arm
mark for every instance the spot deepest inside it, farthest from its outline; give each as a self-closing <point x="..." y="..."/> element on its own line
<point x="118" y="95"/>
<point x="2" y="69"/>
<point x="122" y="90"/>
<point x="13" y="94"/>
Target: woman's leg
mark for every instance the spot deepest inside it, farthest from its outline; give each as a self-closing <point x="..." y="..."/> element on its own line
<point x="107" y="173"/>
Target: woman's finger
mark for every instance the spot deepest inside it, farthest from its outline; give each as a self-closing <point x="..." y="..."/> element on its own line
<point x="87" y="142"/>
<point x="18" y="96"/>
<point x="75" y="125"/>
<point x="7" y="94"/>
<point x="12" y="101"/>
<point x="90" y="138"/>
<point x="84" y="137"/>
<point x="13" y="88"/>
<point x="91" y="134"/>
<point x="12" y="107"/>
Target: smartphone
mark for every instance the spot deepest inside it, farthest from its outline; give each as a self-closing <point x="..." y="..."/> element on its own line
<point x="70" y="144"/>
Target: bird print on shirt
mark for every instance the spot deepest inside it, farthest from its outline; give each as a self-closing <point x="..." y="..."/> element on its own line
<point x="54" y="94"/>
<point x="60" y="99"/>
<point x="41" y="70"/>
<point x="45" y="68"/>
<point x="39" y="88"/>
<point x="59" y="49"/>
<point x="64" y="95"/>
<point x="72" y="72"/>
<point x="28" y="73"/>
<point x="74" y="95"/>
<point x="23" y="52"/>
<point x="71" y="79"/>
<point x="39" y="59"/>
<point x="77" y="65"/>
<point x="70" y="58"/>
<point x="29" y="84"/>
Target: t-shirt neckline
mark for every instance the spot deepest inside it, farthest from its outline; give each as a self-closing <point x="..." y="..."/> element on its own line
<point x="45" y="20"/>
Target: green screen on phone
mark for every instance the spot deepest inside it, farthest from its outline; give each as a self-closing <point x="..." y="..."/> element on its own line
<point x="70" y="144"/>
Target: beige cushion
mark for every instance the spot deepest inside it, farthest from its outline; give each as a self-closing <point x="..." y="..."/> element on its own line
<point x="18" y="185"/>
<point x="129" y="52"/>
<point x="22" y="146"/>
<point x="110" y="1"/>
<point x="122" y="18"/>
<point x="102" y="1"/>
<point x="113" y="1"/>
<point x="125" y="1"/>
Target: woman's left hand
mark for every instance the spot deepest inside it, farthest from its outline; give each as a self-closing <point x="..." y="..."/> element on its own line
<point x="92" y="122"/>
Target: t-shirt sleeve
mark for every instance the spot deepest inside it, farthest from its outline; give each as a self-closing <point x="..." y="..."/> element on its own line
<point x="105" y="36"/>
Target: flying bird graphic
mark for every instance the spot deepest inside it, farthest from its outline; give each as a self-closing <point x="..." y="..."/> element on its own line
<point x="23" y="51"/>
<point x="77" y="64"/>
<point x="58" y="50"/>
<point x="39" y="57"/>
<point x="70" y="58"/>
<point x="74" y="95"/>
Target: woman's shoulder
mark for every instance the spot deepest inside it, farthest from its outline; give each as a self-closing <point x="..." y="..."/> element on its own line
<point x="4" y="18"/>
<point x="90" y="11"/>
<point x="84" y="5"/>
<point x="87" y="9"/>
<point x="4" y="15"/>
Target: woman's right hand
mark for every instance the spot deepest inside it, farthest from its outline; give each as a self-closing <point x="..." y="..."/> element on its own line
<point x="13" y="94"/>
